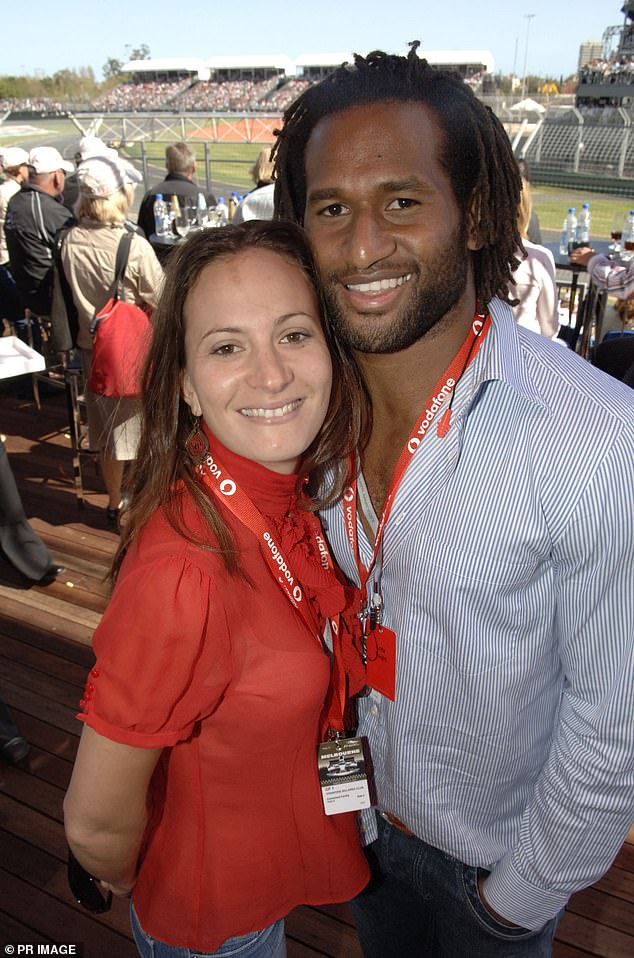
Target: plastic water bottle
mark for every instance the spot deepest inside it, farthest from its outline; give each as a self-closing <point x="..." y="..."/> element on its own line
<point x="161" y="216"/>
<point x="628" y="235"/>
<point x="221" y="212"/>
<point x="568" y="232"/>
<point x="202" y="215"/>
<point x="583" y="226"/>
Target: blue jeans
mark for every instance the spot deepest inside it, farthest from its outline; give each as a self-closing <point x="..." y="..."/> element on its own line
<point x="269" y="943"/>
<point x="420" y="903"/>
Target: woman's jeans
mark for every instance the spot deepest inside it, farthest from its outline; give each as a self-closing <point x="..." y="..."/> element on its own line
<point x="420" y="903"/>
<point x="269" y="943"/>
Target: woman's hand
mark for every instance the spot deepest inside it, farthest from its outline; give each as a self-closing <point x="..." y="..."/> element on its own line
<point x="122" y="890"/>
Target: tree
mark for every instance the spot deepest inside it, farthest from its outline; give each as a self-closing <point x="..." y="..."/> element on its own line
<point x="111" y="68"/>
<point x="140" y="53"/>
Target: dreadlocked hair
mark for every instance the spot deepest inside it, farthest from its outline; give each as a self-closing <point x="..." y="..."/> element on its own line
<point x="476" y="154"/>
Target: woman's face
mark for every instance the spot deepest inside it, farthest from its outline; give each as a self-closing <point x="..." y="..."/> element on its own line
<point x="257" y="367"/>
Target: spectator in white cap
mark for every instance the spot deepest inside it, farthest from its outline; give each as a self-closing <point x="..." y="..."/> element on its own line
<point x="34" y="217"/>
<point x="16" y="171"/>
<point x="46" y="160"/>
<point x="88" y="255"/>
<point x="88" y="147"/>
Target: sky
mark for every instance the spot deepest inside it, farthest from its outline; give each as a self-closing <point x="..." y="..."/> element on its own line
<point x="79" y="34"/>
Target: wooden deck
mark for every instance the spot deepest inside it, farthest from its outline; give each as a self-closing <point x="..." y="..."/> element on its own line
<point x="45" y="653"/>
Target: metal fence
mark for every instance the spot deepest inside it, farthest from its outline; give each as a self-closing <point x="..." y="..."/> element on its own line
<point x="589" y="149"/>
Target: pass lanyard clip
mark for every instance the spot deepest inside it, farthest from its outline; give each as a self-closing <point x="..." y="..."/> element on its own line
<point x="373" y="604"/>
<point x="376" y="608"/>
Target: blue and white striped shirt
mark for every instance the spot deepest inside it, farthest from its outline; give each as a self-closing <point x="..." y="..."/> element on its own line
<point x="508" y="577"/>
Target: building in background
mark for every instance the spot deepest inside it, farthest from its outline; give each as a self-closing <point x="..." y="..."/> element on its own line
<point x="588" y="51"/>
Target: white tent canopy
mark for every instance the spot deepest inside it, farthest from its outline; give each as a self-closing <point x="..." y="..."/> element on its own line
<point x="528" y="105"/>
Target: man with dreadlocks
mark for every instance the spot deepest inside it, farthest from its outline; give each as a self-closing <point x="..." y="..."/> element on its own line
<point x="487" y="524"/>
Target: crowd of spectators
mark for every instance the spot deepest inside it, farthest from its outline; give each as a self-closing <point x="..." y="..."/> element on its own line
<point x="183" y="95"/>
<point x="283" y="97"/>
<point x="31" y="105"/>
<point x="153" y="95"/>
<point x="619" y="68"/>
<point x="229" y="95"/>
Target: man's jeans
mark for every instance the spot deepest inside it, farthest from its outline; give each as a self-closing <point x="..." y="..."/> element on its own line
<point x="420" y="903"/>
<point x="269" y="943"/>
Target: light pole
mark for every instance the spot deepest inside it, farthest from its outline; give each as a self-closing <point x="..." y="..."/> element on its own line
<point x="528" y="17"/>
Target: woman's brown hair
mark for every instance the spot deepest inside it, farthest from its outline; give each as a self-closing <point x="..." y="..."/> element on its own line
<point x="162" y="462"/>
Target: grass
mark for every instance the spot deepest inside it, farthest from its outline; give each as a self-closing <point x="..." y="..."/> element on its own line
<point x="230" y="163"/>
<point x="36" y="131"/>
<point x="551" y="204"/>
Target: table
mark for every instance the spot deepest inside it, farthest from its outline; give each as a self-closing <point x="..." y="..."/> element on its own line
<point x="18" y="358"/>
<point x="592" y="305"/>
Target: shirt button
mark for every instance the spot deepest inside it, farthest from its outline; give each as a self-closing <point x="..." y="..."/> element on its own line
<point x="374" y="711"/>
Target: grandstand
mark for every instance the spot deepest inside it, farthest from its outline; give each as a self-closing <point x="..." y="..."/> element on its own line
<point x="238" y="84"/>
<point x="573" y="144"/>
<point x="219" y="84"/>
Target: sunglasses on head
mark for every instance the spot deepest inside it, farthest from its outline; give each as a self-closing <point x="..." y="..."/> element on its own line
<point x="86" y="888"/>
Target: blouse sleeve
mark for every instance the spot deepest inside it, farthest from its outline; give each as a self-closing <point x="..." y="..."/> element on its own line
<point x="163" y="655"/>
<point x="547" y="313"/>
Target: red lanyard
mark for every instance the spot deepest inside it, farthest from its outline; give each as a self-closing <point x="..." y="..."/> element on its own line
<point x="442" y="391"/>
<point x="216" y="478"/>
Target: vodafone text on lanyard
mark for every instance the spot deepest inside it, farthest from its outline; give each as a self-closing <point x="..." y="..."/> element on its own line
<point x="340" y="760"/>
<point x="380" y="642"/>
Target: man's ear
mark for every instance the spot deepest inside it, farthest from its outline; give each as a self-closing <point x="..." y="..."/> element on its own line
<point x="189" y="394"/>
<point x="59" y="181"/>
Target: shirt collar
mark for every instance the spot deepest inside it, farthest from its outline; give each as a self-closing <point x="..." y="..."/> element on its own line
<point x="177" y="176"/>
<point x="502" y="356"/>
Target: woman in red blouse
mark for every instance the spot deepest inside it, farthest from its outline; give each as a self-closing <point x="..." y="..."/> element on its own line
<point x="196" y="786"/>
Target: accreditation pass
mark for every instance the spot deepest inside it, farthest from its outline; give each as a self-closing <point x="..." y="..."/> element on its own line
<point x="343" y="776"/>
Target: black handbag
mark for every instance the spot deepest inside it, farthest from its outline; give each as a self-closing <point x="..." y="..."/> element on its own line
<point x="63" y="320"/>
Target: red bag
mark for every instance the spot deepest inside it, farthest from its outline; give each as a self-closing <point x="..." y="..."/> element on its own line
<point x="121" y="338"/>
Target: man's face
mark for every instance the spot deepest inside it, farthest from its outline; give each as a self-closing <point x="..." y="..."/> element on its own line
<point x="388" y="236"/>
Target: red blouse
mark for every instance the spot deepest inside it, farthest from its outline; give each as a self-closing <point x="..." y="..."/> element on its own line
<point x="224" y="675"/>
